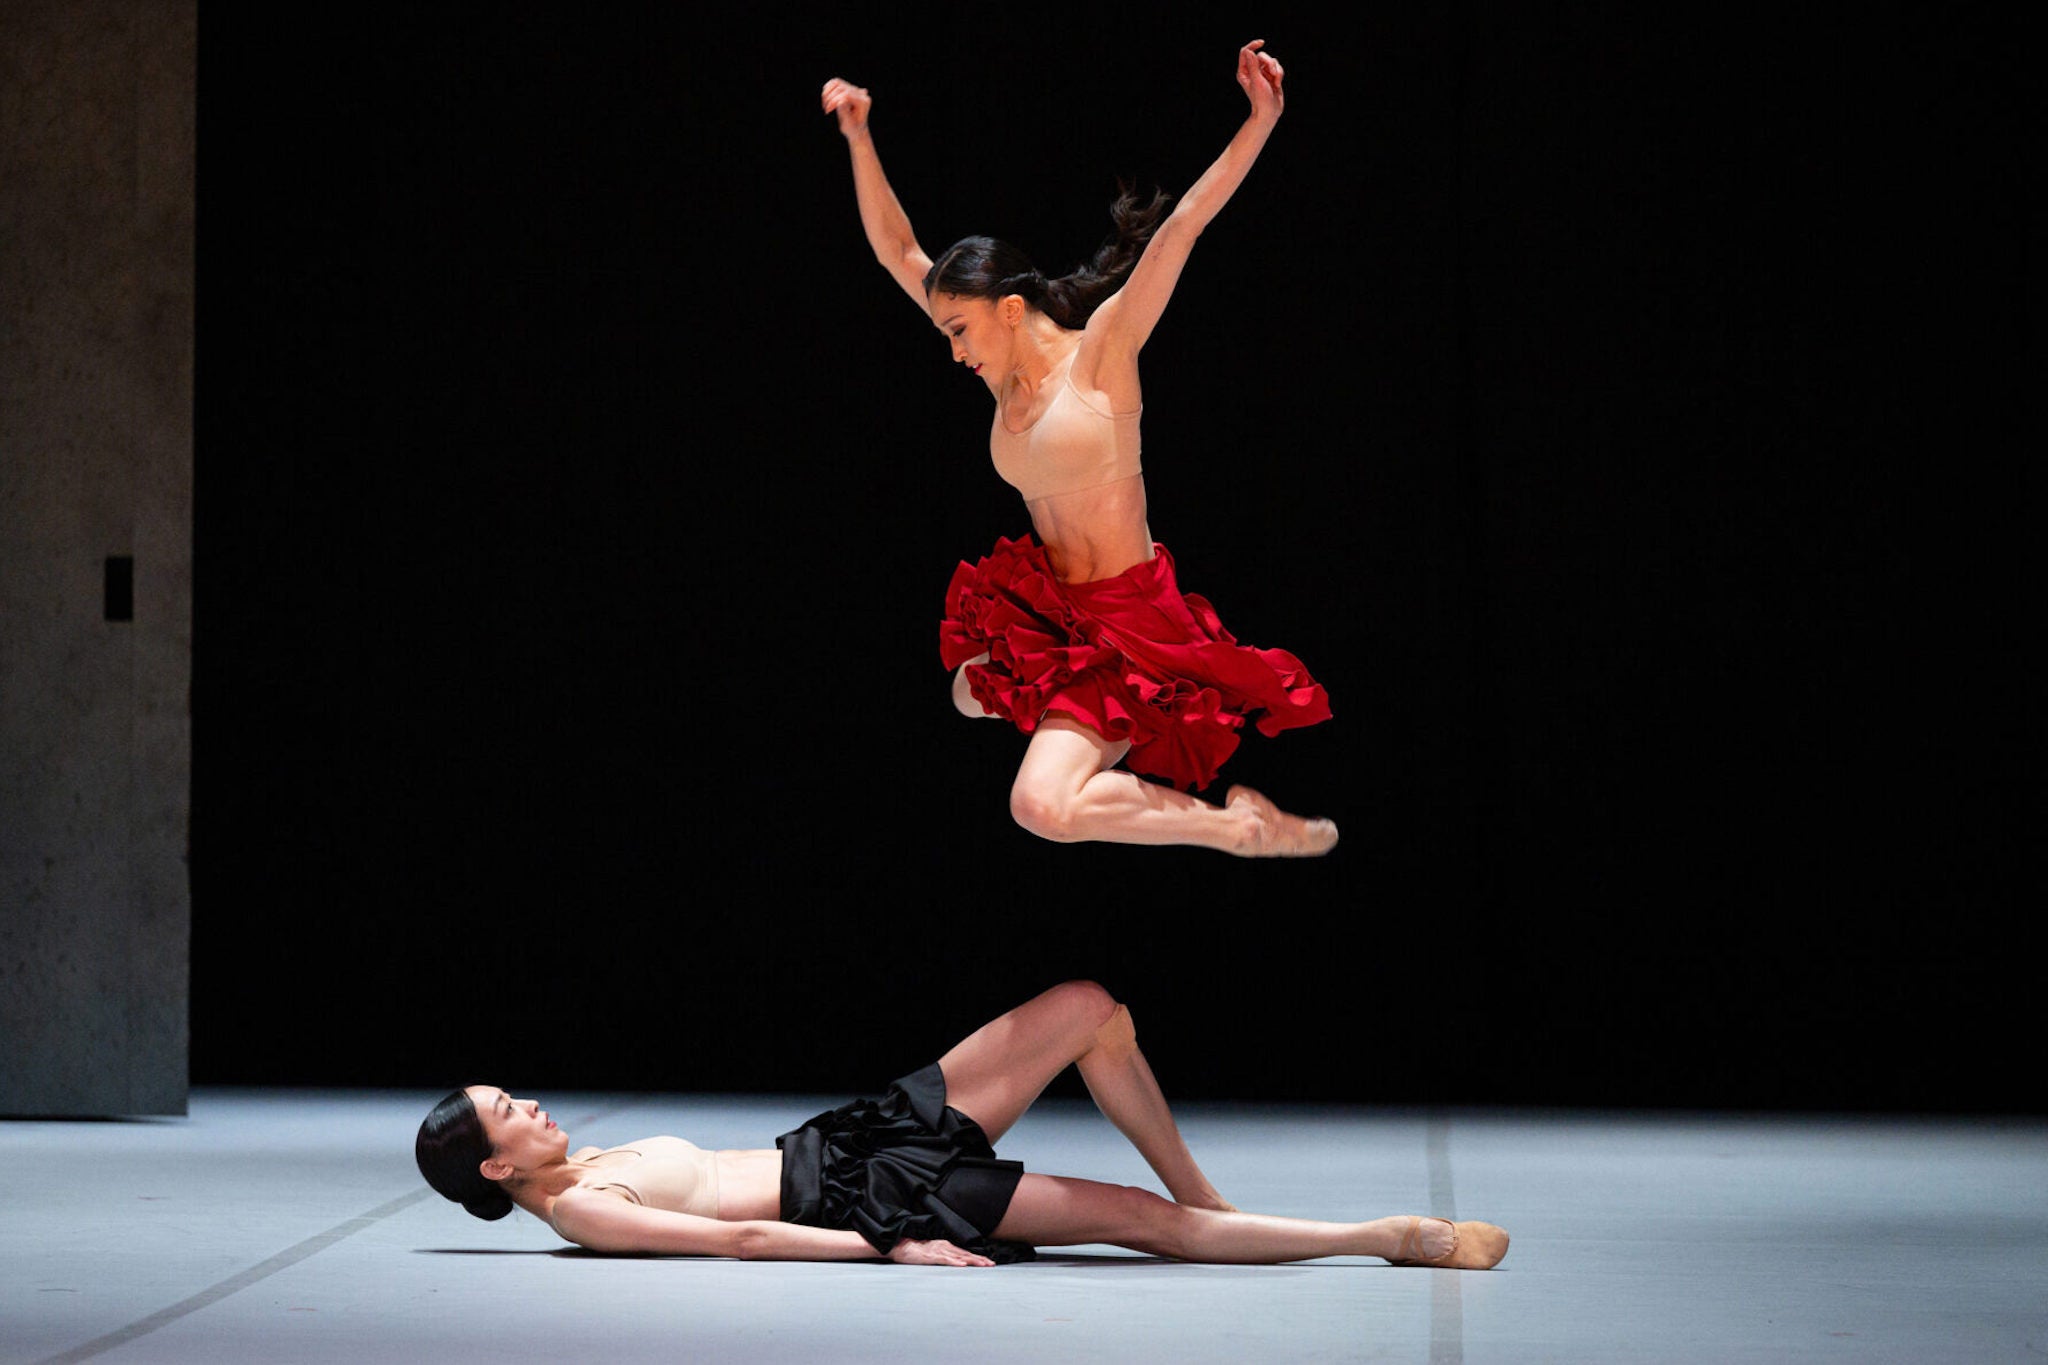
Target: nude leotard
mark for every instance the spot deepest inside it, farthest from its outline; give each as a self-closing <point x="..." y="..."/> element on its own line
<point x="1072" y="446"/>
<point x="661" y="1173"/>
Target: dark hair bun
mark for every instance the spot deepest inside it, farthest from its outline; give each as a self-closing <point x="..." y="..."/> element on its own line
<point x="490" y="1207"/>
<point x="450" y="1147"/>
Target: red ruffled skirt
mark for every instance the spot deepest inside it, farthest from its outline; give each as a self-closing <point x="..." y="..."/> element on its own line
<point x="1131" y="657"/>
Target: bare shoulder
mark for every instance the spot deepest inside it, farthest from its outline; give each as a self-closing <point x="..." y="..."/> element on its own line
<point x="578" y="1195"/>
<point x="612" y="1223"/>
<point x="570" y="1213"/>
<point x="572" y="1210"/>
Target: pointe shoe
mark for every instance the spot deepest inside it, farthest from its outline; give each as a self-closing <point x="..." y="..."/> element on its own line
<point x="1474" y="1246"/>
<point x="1283" y="835"/>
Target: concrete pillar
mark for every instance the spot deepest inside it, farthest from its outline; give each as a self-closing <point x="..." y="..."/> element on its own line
<point x="97" y="128"/>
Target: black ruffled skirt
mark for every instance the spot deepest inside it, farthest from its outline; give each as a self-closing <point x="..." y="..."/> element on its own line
<point x="905" y="1165"/>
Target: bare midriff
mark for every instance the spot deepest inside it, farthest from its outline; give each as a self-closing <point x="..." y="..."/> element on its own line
<point x="1093" y="533"/>
<point x="749" y="1184"/>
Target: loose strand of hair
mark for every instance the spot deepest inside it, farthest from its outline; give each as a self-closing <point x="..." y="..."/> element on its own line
<point x="1135" y="219"/>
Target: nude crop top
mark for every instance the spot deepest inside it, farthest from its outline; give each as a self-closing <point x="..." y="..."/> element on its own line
<point x="664" y="1173"/>
<point x="1073" y="445"/>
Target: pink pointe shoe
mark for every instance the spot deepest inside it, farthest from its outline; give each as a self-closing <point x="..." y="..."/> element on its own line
<point x="1474" y="1246"/>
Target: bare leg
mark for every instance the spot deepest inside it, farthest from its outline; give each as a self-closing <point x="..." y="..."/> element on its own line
<point x="1069" y="790"/>
<point x="1122" y="1084"/>
<point x="997" y="1071"/>
<point x="1059" y="1211"/>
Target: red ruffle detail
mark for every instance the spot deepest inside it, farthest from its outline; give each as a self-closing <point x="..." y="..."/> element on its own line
<point x="1131" y="657"/>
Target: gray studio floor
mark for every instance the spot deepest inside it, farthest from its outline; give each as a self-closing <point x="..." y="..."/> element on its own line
<point x="291" y="1226"/>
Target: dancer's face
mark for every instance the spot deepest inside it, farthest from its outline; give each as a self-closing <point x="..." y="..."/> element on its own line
<point x="521" y="1134"/>
<point x="979" y="331"/>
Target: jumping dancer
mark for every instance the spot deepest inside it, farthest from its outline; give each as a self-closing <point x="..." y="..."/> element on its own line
<point x="1078" y="634"/>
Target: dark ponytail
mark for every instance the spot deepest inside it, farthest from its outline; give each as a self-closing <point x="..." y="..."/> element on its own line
<point x="450" y="1146"/>
<point x="986" y="268"/>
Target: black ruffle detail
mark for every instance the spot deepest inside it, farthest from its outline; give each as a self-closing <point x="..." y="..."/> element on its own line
<point x="904" y="1165"/>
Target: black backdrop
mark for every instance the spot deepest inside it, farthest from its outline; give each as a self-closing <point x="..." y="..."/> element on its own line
<point x="1575" y="392"/>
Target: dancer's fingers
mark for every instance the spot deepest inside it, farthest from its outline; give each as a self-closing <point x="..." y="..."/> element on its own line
<point x="937" y="1251"/>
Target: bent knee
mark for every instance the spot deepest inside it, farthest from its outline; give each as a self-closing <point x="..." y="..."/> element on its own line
<point x="1117" y="1038"/>
<point x="1153" y="1224"/>
<point x="1044" y="812"/>
<point x="1088" y="1003"/>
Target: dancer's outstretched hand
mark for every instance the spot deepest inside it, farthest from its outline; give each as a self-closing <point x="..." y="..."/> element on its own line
<point x="850" y="102"/>
<point x="935" y="1252"/>
<point x="1260" y="75"/>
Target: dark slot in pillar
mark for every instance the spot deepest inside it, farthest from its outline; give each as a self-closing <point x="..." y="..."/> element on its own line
<point x="120" y="588"/>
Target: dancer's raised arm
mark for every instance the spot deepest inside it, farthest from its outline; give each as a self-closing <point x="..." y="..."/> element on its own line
<point x="1121" y="325"/>
<point x="887" y="226"/>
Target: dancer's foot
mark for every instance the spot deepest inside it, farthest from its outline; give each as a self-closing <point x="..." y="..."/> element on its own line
<point x="1273" y="833"/>
<point x="1444" y="1245"/>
